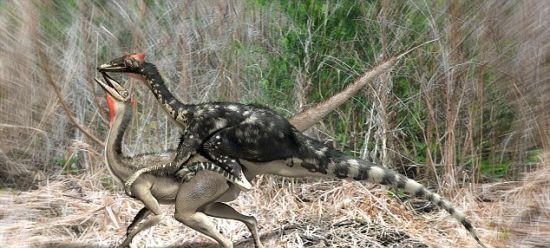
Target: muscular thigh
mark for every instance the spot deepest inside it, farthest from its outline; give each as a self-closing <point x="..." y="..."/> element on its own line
<point x="253" y="142"/>
<point x="205" y="187"/>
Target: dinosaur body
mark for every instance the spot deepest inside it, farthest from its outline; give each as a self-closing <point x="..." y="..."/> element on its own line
<point x="262" y="148"/>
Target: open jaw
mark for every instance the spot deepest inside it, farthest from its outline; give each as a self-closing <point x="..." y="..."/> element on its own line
<point x="114" y="88"/>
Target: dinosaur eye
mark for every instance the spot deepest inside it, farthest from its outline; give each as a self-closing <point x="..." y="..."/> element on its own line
<point x="124" y="94"/>
<point x="129" y="62"/>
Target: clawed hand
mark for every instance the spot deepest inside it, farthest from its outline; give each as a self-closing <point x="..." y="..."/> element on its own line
<point x="185" y="174"/>
<point x="128" y="188"/>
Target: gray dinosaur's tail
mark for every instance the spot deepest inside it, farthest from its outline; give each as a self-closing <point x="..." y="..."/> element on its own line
<point x="342" y="166"/>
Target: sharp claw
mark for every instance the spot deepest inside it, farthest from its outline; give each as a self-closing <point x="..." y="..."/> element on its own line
<point x="187" y="177"/>
<point x="183" y="172"/>
<point x="128" y="190"/>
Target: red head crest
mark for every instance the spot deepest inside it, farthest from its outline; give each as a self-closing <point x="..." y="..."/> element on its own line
<point x="138" y="56"/>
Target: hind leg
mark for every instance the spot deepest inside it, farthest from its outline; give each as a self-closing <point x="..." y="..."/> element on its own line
<point x="202" y="189"/>
<point x="143" y="193"/>
<point x="255" y="142"/>
<point x="222" y="210"/>
<point x="142" y="214"/>
<point x="151" y="221"/>
<point x="214" y="149"/>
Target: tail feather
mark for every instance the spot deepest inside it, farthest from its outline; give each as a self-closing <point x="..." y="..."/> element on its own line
<point x="342" y="166"/>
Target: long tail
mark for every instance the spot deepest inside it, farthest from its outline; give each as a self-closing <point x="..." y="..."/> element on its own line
<point x="320" y="159"/>
<point x="343" y="166"/>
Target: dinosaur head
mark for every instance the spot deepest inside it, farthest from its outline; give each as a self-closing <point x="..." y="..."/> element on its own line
<point x="130" y="63"/>
<point x="116" y="93"/>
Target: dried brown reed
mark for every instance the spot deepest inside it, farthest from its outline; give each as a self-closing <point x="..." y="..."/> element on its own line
<point x="193" y="42"/>
<point x="519" y="212"/>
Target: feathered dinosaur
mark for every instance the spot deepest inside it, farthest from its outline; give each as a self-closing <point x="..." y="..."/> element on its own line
<point x="272" y="149"/>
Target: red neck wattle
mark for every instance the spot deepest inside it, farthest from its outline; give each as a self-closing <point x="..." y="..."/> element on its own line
<point x="112" y="113"/>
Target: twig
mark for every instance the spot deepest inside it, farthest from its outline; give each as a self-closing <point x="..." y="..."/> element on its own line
<point x="78" y="198"/>
<point x="414" y="48"/>
<point x="24" y="127"/>
<point x="45" y="66"/>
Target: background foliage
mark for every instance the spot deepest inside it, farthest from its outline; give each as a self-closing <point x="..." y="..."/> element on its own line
<point x="469" y="106"/>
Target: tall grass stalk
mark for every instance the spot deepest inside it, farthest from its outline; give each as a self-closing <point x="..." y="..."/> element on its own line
<point x="470" y="107"/>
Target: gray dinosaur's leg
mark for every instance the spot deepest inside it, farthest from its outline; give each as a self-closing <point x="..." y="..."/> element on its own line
<point x="222" y="210"/>
<point x="143" y="213"/>
<point x="151" y="221"/>
<point x="143" y="193"/>
<point x="202" y="189"/>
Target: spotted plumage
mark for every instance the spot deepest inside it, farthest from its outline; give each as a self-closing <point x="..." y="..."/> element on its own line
<point x="259" y="133"/>
<point x="137" y="162"/>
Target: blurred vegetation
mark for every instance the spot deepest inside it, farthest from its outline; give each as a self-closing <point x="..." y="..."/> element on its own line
<point x="464" y="108"/>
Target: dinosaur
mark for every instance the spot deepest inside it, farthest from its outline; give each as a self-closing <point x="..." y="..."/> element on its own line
<point x="194" y="199"/>
<point x="287" y="152"/>
<point x="209" y="180"/>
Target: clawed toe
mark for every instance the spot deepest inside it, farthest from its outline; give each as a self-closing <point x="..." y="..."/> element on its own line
<point x="128" y="190"/>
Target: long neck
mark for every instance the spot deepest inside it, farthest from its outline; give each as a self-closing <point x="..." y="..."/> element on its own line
<point x="113" y="147"/>
<point x="175" y="108"/>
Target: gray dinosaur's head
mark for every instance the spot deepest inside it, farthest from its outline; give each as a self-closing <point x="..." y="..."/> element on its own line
<point x="113" y="88"/>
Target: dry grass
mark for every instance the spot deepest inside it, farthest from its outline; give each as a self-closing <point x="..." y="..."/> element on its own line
<point x="68" y="211"/>
<point x="194" y="43"/>
<point x="77" y="212"/>
<point x="519" y="212"/>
